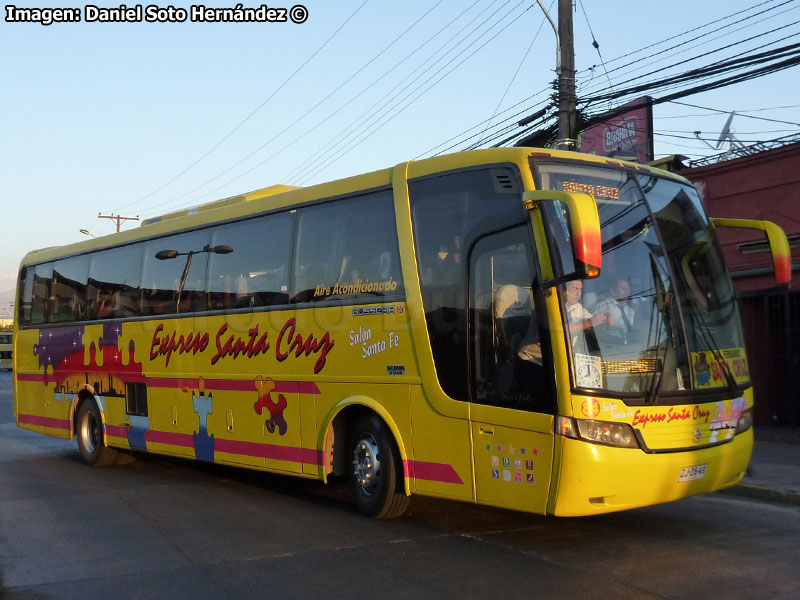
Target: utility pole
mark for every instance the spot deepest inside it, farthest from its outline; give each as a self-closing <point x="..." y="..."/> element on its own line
<point x="566" y="78"/>
<point x="116" y="218"/>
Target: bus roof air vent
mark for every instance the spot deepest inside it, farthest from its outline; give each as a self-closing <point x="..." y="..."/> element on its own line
<point x="504" y="181"/>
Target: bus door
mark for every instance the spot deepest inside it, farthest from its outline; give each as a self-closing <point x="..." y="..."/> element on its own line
<point x="513" y="396"/>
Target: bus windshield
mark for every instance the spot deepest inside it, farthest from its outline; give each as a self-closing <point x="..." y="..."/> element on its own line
<point x="661" y="318"/>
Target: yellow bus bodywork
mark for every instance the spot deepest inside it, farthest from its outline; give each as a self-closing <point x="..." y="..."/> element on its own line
<point x="274" y="403"/>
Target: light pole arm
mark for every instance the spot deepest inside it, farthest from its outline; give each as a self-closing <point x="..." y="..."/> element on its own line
<point x="558" y="40"/>
<point x="183" y="281"/>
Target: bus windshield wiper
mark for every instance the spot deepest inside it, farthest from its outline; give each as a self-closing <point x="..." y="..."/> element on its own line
<point x="664" y="306"/>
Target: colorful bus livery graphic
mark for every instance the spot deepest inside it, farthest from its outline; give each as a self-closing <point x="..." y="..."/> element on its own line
<point x="107" y="368"/>
<point x="713" y="369"/>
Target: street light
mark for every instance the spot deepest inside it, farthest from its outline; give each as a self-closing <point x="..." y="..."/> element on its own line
<point x="169" y="254"/>
<point x="86" y="232"/>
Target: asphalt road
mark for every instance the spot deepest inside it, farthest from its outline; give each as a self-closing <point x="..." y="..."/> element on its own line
<point x="163" y="528"/>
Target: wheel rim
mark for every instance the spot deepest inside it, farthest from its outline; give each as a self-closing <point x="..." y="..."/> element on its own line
<point x="90" y="432"/>
<point x="366" y="465"/>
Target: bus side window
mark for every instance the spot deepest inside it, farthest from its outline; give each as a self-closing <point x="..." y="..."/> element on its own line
<point x="167" y="286"/>
<point x="42" y="278"/>
<point x="26" y="295"/>
<point x="256" y="273"/>
<point x="68" y="290"/>
<point x="505" y="338"/>
<point x="113" y="289"/>
<point x="348" y="249"/>
<point x="450" y="214"/>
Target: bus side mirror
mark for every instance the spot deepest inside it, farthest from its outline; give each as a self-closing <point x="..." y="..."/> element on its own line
<point x="778" y="245"/>
<point x="583" y="222"/>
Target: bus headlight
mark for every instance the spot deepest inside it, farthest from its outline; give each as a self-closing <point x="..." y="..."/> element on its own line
<point x="597" y="432"/>
<point x="745" y="421"/>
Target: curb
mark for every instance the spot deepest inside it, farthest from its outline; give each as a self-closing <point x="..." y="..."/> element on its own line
<point x="760" y="492"/>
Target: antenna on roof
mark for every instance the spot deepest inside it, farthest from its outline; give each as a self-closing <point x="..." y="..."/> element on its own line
<point x="727" y="134"/>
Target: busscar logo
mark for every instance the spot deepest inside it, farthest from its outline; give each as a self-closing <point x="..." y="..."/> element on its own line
<point x="361" y="311"/>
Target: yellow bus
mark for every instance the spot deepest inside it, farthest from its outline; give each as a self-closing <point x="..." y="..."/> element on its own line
<point x="6" y="350"/>
<point x="538" y="330"/>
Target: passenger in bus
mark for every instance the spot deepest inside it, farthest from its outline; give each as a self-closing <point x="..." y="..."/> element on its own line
<point x="622" y="311"/>
<point x="351" y="271"/>
<point x="451" y="266"/>
<point x="519" y="333"/>
<point x="104" y="306"/>
<point x="579" y="318"/>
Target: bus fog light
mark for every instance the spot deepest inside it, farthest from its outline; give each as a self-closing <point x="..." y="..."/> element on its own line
<point x="610" y="434"/>
<point x="745" y="421"/>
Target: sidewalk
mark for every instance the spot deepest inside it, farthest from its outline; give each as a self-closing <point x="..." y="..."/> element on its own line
<point x="774" y="473"/>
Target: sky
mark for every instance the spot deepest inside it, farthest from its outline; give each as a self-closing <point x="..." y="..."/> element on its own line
<point x="140" y="118"/>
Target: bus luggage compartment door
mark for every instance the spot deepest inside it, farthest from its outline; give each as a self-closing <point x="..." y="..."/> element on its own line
<point x="513" y="456"/>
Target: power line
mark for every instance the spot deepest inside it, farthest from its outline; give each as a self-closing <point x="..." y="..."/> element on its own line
<point x="672" y="38"/>
<point x="748" y="26"/>
<point x="324" y="149"/>
<point x="375" y="109"/>
<point x="743" y="53"/>
<point x="295" y="122"/>
<point x="718" y="50"/>
<point x="741" y="113"/>
<point x="365" y="115"/>
<point x="513" y="117"/>
<point x="595" y="44"/>
<point x="388" y="115"/>
<point x="248" y="117"/>
<point x="513" y="78"/>
<point x="789" y="52"/>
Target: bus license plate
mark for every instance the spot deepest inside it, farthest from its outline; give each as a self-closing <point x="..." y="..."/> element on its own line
<point x="692" y="473"/>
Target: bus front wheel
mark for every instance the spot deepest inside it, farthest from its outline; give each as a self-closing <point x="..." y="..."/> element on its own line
<point x="376" y="480"/>
<point x="91" y="446"/>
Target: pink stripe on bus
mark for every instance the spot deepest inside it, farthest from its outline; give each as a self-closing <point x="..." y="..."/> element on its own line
<point x="431" y="471"/>
<point x="117" y="431"/>
<point x="233" y="385"/>
<point x="229" y="385"/>
<point x="30" y="377"/>
<point x="51" y="422"/>
<point x="269" y="451"/>
<point x="255" y="449"/>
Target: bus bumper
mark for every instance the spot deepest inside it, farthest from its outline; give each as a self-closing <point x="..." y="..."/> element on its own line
<point x="597" y="479"/>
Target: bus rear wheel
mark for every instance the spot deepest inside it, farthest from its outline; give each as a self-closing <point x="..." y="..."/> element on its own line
<point x="376" y="480"/>
<point x="91" y="446"/>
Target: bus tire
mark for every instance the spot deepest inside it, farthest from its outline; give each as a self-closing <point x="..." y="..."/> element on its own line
<point x="91" y="445"/>
<point x="376" y="480"/>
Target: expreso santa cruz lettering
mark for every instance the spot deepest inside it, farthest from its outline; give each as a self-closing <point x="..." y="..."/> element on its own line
<point x="461" y="327"/>
<point x="289" y="343"/>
